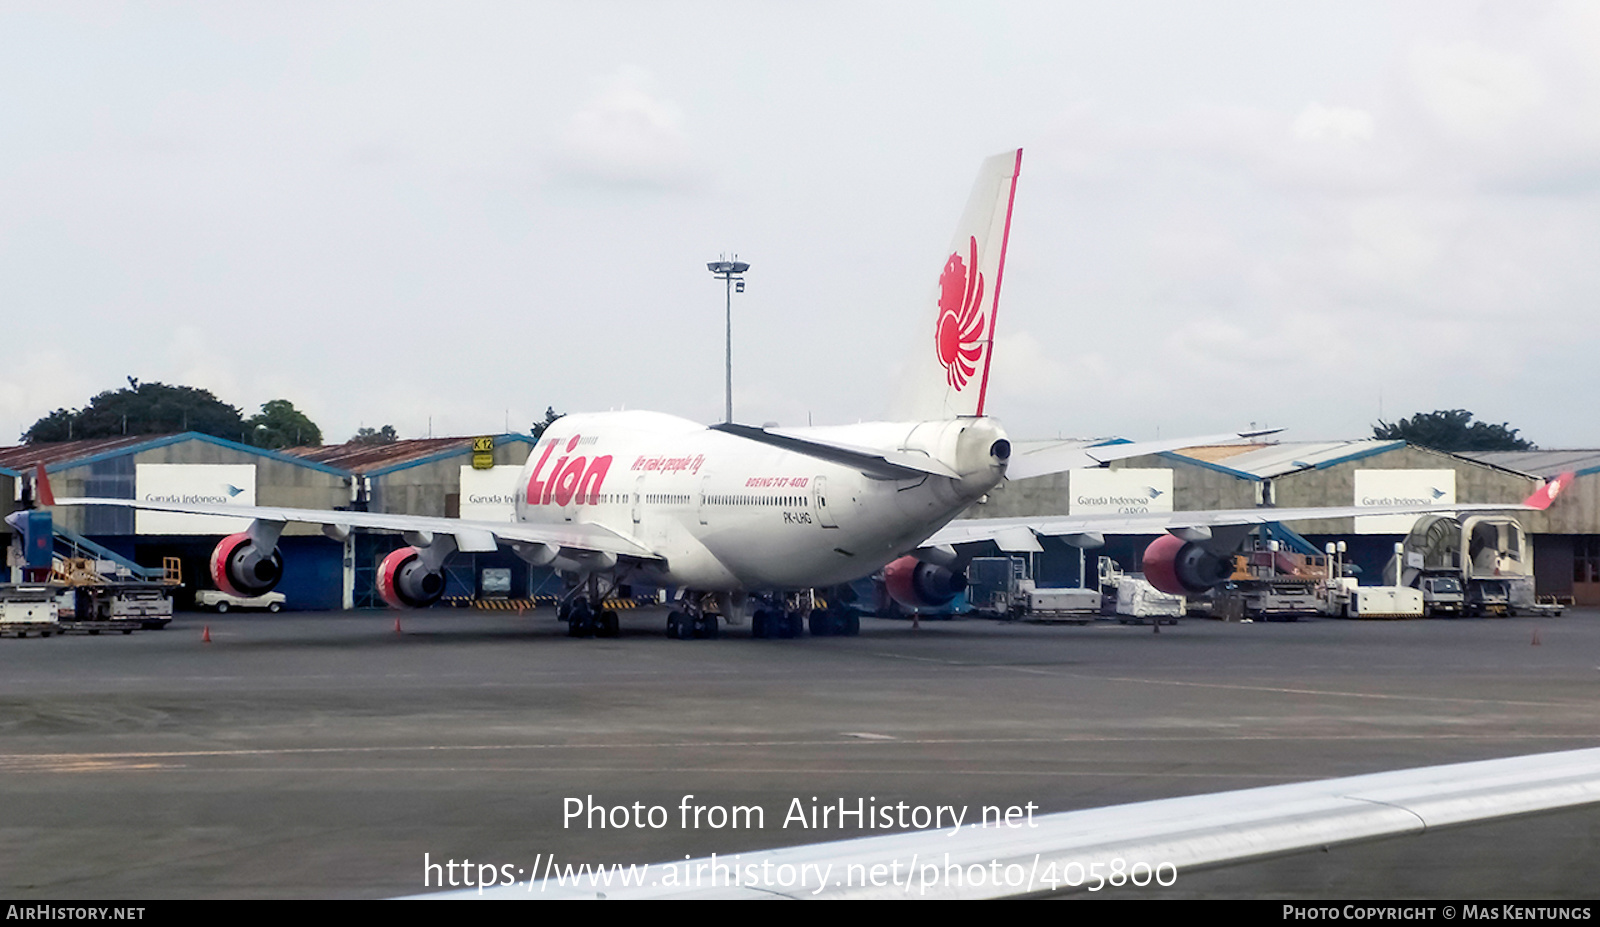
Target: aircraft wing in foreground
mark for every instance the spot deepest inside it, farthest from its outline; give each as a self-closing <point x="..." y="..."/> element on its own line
<point x="1147" y="842"/>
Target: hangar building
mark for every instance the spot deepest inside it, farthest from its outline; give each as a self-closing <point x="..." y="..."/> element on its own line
<point x="438" y="477"/>
<point x="425" y="477"/>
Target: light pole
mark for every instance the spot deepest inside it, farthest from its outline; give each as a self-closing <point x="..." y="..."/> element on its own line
<point x="728" y="271"/>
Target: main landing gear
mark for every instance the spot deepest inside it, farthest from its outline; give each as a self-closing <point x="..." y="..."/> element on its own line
<point x="579" y="609"/>
<point x="690" y="620"/>
<point x="789" y="615"/>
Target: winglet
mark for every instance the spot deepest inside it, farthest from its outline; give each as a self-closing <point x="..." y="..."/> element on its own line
<point x="41" y="487"/>
<point x="1547" y="493"/>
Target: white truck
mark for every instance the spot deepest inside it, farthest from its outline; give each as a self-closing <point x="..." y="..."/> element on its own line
<point x="222" y="602"/>
<point x="1000" y="587"/>
<point x="26" y="609"/>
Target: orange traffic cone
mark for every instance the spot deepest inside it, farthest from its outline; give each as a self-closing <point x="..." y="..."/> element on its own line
<point x="205" y="636"/>
<point x="397" y="624"/>
<point x="1535" y="642"/>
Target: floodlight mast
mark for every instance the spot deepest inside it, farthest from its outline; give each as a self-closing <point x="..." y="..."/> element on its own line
<point x="729" y="271"/>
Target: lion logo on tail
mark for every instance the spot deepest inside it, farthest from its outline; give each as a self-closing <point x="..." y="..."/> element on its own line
<point x="958" y="337"/>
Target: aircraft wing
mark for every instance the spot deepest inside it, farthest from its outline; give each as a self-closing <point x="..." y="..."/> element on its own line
<point x="1080" y="850"/>
<point x="1076" y="455"/>
<point x="1199" y="524"/>
<point x="470" y="535"/>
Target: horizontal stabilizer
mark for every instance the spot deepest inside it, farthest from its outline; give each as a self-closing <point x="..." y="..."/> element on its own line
<point x="892" y="465"/>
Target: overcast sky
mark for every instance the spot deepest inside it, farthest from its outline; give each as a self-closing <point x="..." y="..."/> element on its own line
<point x="1299" y="215"/>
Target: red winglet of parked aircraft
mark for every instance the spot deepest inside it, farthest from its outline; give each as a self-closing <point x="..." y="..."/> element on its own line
<point x="41" y="487"/>
<point x="1547" y="493"/>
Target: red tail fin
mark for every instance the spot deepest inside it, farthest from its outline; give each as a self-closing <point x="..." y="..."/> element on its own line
<point x="1547" y="493"/>
<point x="41" y="487"/>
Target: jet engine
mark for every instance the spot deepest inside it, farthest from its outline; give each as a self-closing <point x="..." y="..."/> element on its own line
<point x="1179" y="567"/>
<point x="405" y="582"/>
<point x="916" y="584"/>
<point x="239" y="568"/>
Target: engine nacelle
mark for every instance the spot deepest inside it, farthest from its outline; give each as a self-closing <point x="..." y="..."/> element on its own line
<point x="238" y="567"/>
<point x="1179" y="567"/>
<point x="916" y="584"/>
<point x="404" y="582"/>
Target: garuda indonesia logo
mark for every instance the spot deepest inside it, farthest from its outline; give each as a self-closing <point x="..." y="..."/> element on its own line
<point x="958" y="336"/>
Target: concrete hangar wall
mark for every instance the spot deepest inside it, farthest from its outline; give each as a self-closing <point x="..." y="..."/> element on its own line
<point x="1566" y="538"/>
<point x="414" y="477"/>
<point x="10" y="485"/>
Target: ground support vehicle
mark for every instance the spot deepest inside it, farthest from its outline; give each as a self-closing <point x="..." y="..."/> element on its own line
<point x="124" y="607"/>
<point x="1442" y="595"/>
<point x="1273" y="585"/>
<point x="28" y="609"/>
<point x="1131" y="600"/>
<point x="222" y="602"/>
<point x="1486" y="558"/>
<point x="1001" y="587"/>
<point x="1384" y="602"/>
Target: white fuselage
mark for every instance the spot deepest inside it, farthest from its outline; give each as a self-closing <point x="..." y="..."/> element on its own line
<point x="730" y="514"/>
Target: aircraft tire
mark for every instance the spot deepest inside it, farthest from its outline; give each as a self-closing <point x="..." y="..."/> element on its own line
<point x="705" y="627"/>
<point x="852" y="624"/>
<point x="822" y="624"/>
<point x="579" y="622"/>
<point x="794" y="624"/>
<point x="606" y="624"/>
<point x="758" y="624"/>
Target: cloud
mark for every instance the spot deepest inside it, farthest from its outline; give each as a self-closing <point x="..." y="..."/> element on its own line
<point x="1474" y="91"/>
<point x="1333" y="122"/>
<point x="626" y="135"/>
<point x="193" y="361"/>
<point x="37" y="381"/>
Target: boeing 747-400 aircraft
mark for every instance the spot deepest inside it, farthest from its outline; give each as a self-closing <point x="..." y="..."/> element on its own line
<point x="729" y="511"/>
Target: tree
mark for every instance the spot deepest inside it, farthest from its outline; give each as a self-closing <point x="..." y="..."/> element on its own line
<point x="386" y="435"/>
<point x="550" y="415"/>
<point x="279" y="425"/>
<point x="1452" y="430"/>
<point x="141" y="409"/>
